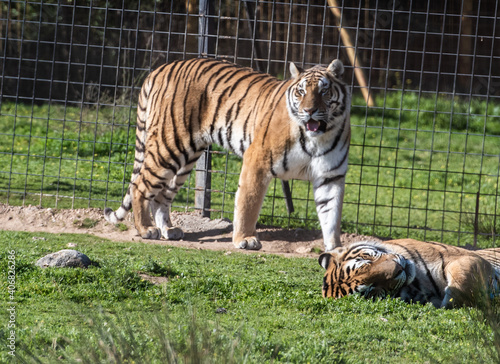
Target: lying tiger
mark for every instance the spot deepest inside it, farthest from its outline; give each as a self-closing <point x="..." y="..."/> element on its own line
<point x="416" y="271"/>
<point x="297" y="128"/>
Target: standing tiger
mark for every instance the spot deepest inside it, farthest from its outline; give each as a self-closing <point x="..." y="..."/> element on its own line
<point x="298" y="128"/>
<point x="416" y="271"/>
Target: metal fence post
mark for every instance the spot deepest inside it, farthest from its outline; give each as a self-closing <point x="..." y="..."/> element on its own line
<point x="204" y="164"/>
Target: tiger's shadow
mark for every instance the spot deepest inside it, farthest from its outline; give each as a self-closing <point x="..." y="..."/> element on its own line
<point x="265" y="233"/>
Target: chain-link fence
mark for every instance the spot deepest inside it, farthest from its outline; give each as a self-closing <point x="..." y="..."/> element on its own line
<point x="425" y="152"/>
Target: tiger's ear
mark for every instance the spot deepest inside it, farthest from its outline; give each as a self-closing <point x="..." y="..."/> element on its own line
<point x="336" y="68"/>
<point x="324" y="260"/>
<point x="295" y="70"/>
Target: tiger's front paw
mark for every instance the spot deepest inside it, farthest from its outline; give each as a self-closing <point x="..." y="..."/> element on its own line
<point x="173" y="233"/>
<point x="152" y="232"/>
<point x="250" y="243"/>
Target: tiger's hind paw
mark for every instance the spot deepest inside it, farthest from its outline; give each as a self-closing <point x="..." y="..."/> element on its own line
<point x="173" y="233"/>
<point x="250" y="243"/>
<point x="152" y="233"/>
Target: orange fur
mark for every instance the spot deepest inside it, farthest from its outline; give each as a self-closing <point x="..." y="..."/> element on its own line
<point x="416" y="271"/>
<point x="298" y="128"/>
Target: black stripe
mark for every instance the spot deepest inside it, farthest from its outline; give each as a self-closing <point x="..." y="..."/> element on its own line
<point x="346" y="154"/>
<point x="258" y="77"/>
<point x="231" y="74"/>
<point x="245" y="125"/>
<point x="157" y="186"/>
<point x="329" y="180"/>
<point x="343" y="291"/>
<point x="302" y="140"/>
<point x="356" y="249"/>
<point x="201" y="108"/>
<point x="242" y="147"/>
<point x="126" y="208"/>
<point x="186" y="172"/>
<point x="417" y="258"/>
<point x="267" y="127"/>
<point x="242" y="78"/>
<point x="335" y="141"/>
<point x="278" y="93"/>
<point x="219" y="135"/>
<point x="166" y="74"/>
<point x="191" y="128"/>
<point x="153" y="173"/>
<point x="285" y="155"/>
<point x="273" y="102"/>
<point x="229" y="132"/>
<point x="177" y="138"/>
<point x="170" y="189"/>
<point x="171" y="154"/>
<point x="193" y="158"/>
<point x="139" y="146"/>
<point x="139" y="191"/>
<point x="341" y="274"/>
<point x="188" y="120"/>
<point x="322" y="202"/>
<point x="213" y="76"/>
<point x="273" y="172"/>
<point x="163" y="162"/>
<point x="216" y="113"/>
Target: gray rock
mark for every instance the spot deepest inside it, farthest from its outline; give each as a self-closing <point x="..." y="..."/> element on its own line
<point x="64" y="258"/>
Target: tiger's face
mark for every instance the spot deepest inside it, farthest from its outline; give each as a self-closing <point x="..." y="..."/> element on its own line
<point x="365" y="270"/>
<point x="317" y="97"/>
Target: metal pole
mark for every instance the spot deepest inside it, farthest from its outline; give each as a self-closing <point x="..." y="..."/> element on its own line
<point x="204" y="164"/>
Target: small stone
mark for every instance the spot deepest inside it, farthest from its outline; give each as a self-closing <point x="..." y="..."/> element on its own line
<point x="64" y="258"/>
<point x="303" y="250"/>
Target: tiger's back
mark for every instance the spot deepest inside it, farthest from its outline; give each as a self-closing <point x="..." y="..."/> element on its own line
<point x="203" y="101"/>
<point x="280" y="132"/>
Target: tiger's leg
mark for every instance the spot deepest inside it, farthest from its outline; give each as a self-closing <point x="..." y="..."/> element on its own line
<point x="467" y="279"/>
<point x="329" y="196"/>
<point x="146" y="188"/>
<point x="141" y="197"/>
<point x="160" y="206"/>
<point x="252" y="188"/>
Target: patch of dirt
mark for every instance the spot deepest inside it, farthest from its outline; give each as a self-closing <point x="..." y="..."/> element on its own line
<point x="199" y="232"/>
<point x="153" y="279"/>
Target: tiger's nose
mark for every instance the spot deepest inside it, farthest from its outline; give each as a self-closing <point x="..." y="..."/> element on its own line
<point x="310" y="110"/>
<point x="398" y="269"/>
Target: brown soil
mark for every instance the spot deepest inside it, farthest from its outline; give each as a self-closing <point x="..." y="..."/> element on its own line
<point x="199" y="232"/>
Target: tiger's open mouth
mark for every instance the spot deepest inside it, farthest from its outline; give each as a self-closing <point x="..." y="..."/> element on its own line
<point x="316" y="125"/>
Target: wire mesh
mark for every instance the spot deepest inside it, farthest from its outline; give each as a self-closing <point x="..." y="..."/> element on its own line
<point x="425" y="155"/>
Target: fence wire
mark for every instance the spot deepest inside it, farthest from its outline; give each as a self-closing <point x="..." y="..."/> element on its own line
<point x="425" y="152"/>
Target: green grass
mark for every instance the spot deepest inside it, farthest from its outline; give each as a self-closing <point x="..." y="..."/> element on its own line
<point x="417" y="163"/>
<point x="215" y="308"/>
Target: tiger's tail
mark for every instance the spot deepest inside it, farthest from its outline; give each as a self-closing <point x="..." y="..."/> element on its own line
<point x="140" y="139"/>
